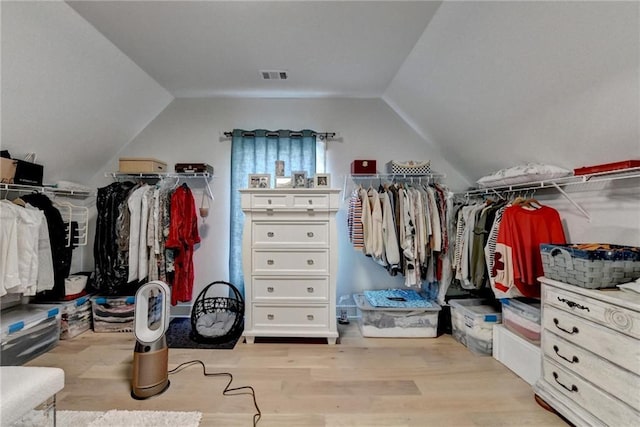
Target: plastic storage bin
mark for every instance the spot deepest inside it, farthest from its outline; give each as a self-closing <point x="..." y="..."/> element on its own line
<point x="472" y="323"/>
<point x="389" y="322"/>
<point x="75" y="316"/>
<point x="28" y="331"/>
<point x="522" y="317"/>
<point x="113" y="314"/>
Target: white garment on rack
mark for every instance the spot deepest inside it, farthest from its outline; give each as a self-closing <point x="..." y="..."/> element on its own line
<point x="134" y="202"/>
<point x="390" y="237"/>
<point x="143" y="249"/>
<point x="28" y="234"/>
<point x="9" y="271"/>
<point x="366" y="222"/>
<point x="377" y="239"/>
<point x="46" y="277"/>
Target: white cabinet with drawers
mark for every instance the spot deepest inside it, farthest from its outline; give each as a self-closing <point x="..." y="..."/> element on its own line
<point x="591" y="354"/>
<point x="290" y="262"/>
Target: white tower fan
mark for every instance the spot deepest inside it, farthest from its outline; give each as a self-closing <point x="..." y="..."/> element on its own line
<point x="151" y="354"/>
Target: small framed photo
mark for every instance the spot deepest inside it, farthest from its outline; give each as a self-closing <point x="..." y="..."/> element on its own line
<point x="299" y="179"/>
<point x="279" y="167"/>
<point x="259" y="180"/>
<point x="283" y="181"/>
<point x="322" y="180"/>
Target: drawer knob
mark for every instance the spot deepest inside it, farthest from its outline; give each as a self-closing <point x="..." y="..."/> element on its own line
<point x="309" y="316"/>
<point x="268" y="201"/>
<point x="572" y="304"/>
<point x="574" y="359"/>
<point x="310" y="201"/>
<point x="270" y="234"/>
<point x="270" y="289"/>
<point x="574" y="330"/>
<point x="573" y="387"/>
<point x="310" y="261"/>
<point x="309" y="233"/>
<point x="270" y="316"/>
<point x="310" y="289"/>
<point x="270" y="262"/>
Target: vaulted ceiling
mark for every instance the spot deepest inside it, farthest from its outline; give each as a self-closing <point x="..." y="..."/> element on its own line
<point x="491" y="84"/>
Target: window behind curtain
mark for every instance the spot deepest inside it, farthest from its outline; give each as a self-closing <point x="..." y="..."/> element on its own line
<point x="256" y="152"/>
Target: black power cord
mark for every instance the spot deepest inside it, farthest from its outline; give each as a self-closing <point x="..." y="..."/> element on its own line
<point x="227" y="389"/>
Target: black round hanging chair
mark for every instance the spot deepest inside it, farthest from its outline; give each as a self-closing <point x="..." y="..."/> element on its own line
<point x="217" y="319"/>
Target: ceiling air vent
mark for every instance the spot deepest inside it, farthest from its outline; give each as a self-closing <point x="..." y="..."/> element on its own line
<point x="273" y="74"/>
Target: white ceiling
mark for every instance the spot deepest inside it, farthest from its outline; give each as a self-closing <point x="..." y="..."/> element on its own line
<point x="215" y="48"/>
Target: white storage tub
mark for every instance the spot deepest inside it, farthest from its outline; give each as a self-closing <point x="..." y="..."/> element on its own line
<point x="392" y="322"/>
<point x="522" y="317"/>
<point x="472" y="323"/>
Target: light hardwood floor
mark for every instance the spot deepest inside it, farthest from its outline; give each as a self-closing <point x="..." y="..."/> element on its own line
<point x="358" y="382"/>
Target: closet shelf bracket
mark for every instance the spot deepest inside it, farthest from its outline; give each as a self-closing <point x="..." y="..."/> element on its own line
<point x="573" y="202"/>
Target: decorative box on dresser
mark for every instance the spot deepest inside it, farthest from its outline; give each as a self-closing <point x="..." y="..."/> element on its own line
<point x="591" y="354"/>
<point x="290" y="261"/>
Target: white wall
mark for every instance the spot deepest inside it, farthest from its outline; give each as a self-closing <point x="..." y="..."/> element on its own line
<point x="68" y="94"/>
<point x="189" y="130"/>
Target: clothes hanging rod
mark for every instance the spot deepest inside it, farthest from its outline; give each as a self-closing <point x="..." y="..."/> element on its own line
<point x="322" y="135"/>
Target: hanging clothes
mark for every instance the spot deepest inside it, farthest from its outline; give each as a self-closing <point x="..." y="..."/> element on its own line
<point x="61" y="253"/>
<point x="183" y="235"/>
<point x="517" y="258"/>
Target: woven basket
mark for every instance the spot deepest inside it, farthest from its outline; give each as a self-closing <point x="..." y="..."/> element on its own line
<point x="603" y="267"/>
<point x="409" y="167"/>
<point x="217" y="319"/>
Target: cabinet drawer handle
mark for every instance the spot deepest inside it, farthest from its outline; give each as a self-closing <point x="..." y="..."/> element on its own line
<point x="572" y="304"/>
<point x="309" y="233"/>
<point x="270" y="262"/>
<point x="573" y="387"/>
<point x="309" y="316"/>
<point x="310" y="289"/>
<point x="268" y="201"/>
<point x="270" y="289"/>
<point x="270" y="316"/>
<point x="574" y="330"/>
<point x="310" y="261"/>
<point x="574" y="359"/>
<point x="310" y="201"/>
<point x="270" y="234"/>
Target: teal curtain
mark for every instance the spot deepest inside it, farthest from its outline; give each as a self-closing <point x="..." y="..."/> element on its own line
<point x="256" y="152"/>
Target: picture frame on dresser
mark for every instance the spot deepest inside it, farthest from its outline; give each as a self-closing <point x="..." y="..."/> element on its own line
<point x="299" y="179"/>
<point x="322" y="180"/>
<point x="259" y="180"/>
<point x="283" y="182"/>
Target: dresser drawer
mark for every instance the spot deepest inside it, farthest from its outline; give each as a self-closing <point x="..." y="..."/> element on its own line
<point x="301" y="234"/>
<point x="270" y="201"/>
<point x="601" y="312"/>
<point x="619" y="382"/>
<point x="286" y="262"/>
<point x="311" y="201"/>
<point x="608" y="409"/>
<point x="270" y="317"/>
<point x="291" y="289"/>
<point x="607" y="343"/>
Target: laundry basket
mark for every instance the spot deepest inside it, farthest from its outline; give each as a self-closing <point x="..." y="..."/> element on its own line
<point x="216" y="318"/>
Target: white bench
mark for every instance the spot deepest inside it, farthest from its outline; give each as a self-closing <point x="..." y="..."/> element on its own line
<point x="23" y="388"/>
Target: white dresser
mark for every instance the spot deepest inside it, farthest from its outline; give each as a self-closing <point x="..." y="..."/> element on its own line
<point x="591" y="354"/>
<point x="290" y="261"/>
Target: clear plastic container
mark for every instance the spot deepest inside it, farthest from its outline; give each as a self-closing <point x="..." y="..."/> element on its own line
<point x="113" y="314"/>
<point x="28" y="331"/>
<point x="391" y="322"/>
<point x="522" y="317"/>
<point x="472" y="323"/>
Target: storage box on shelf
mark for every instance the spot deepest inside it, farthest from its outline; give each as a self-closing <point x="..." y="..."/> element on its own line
<point x="141" y="165"/>
<point x="391" y="322"/>
<point x="28" y="331"/>
<point x="522" y="317"/>
<point x="113" y="314"/>
<point x="75" y="316"/>
<point x="472" y="322"/>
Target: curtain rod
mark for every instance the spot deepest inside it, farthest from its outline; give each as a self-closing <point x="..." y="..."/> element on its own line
<point x="321" y="135"/>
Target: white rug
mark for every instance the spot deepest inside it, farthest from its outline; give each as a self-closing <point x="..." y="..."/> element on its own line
<point x="117" y="418"/>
